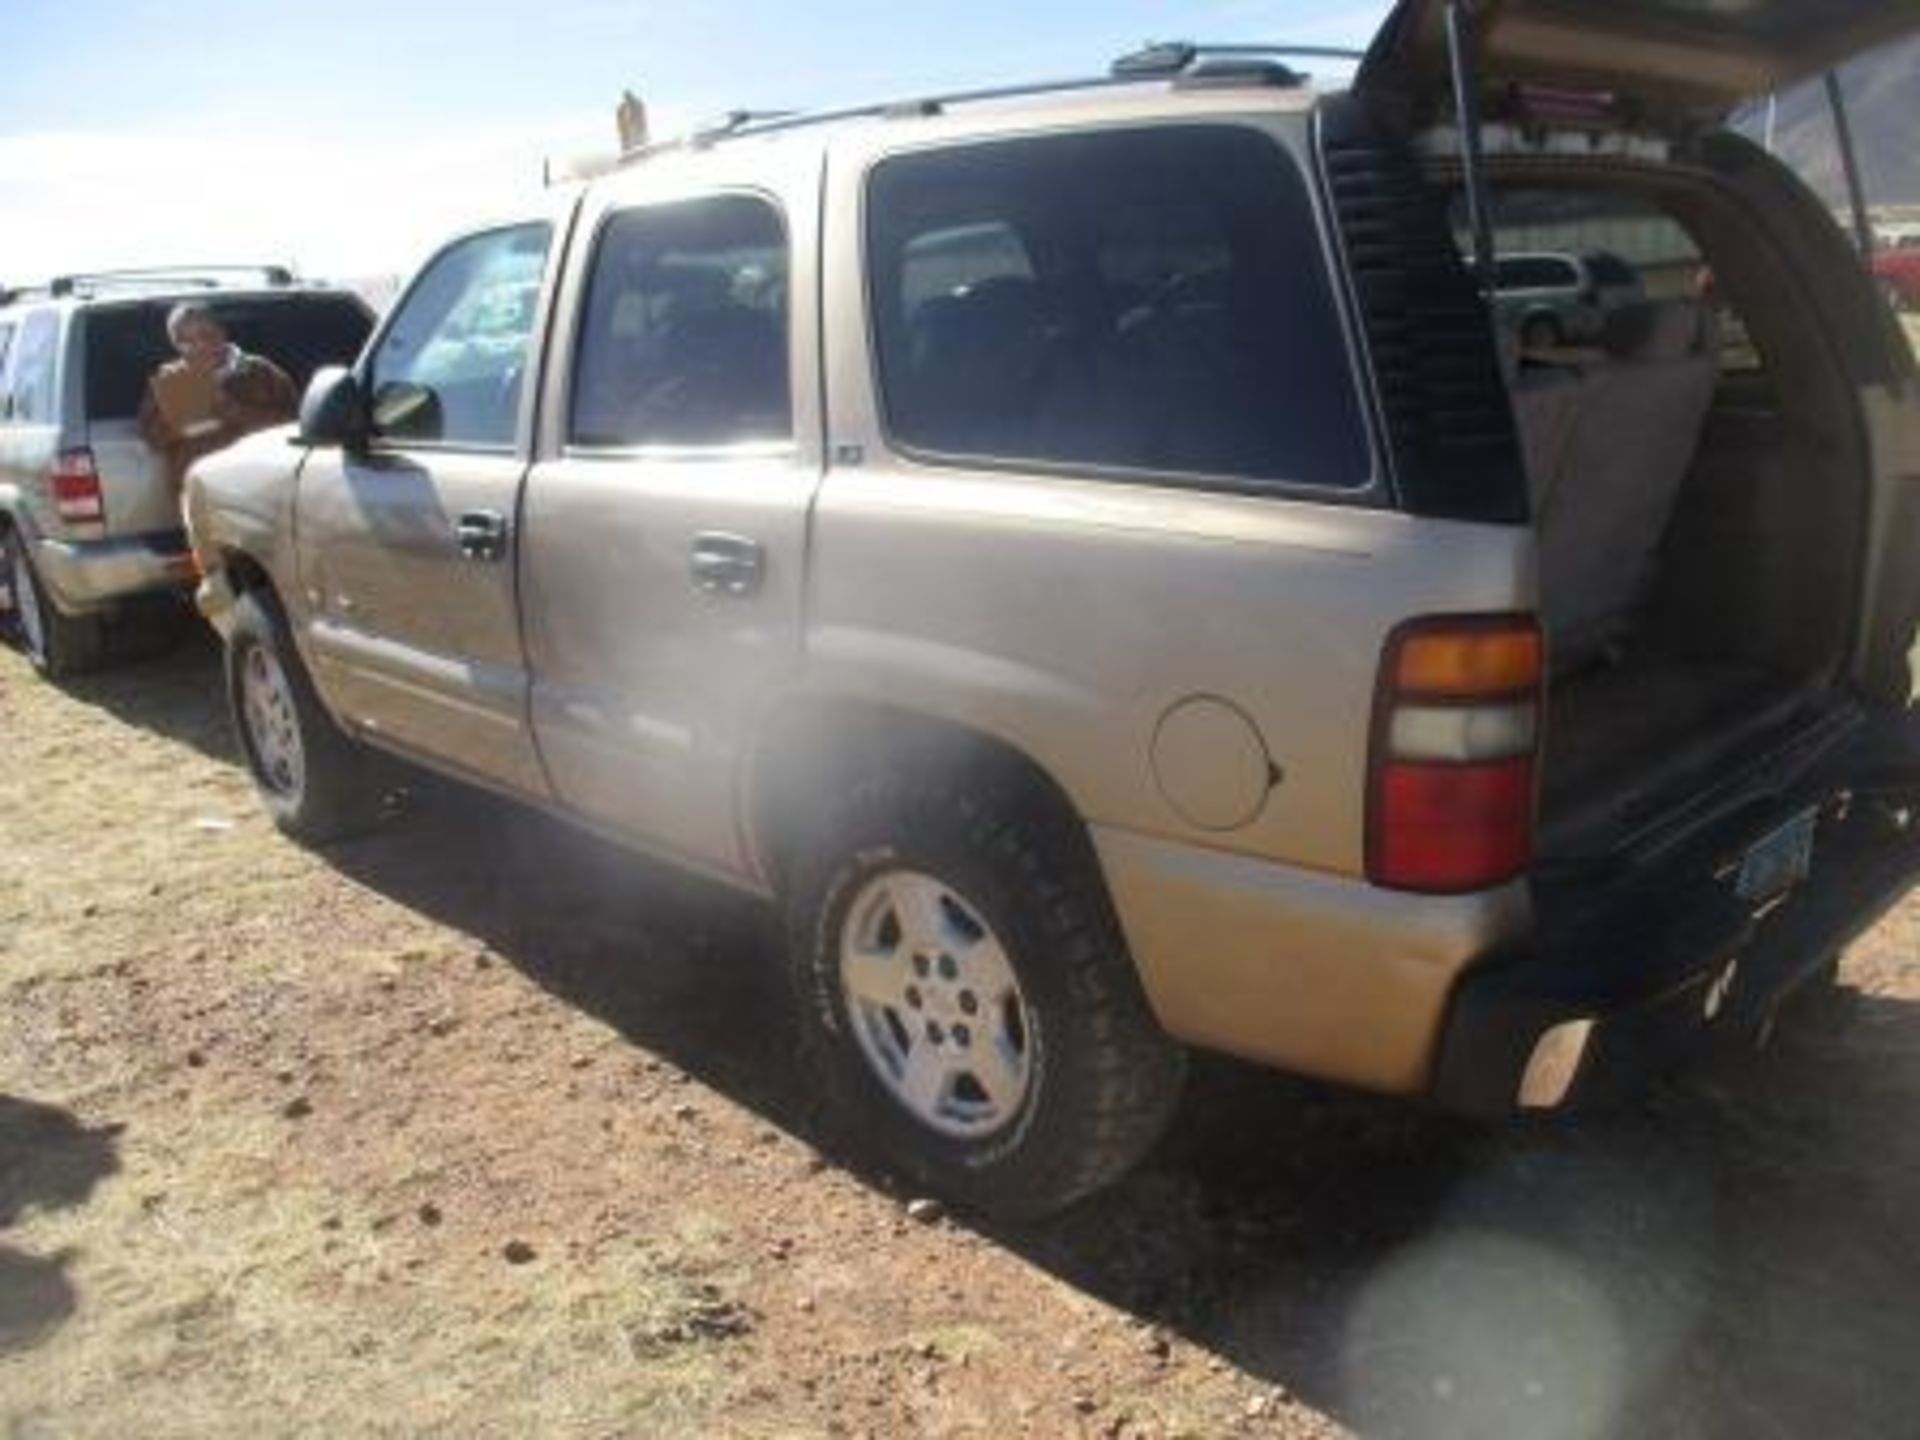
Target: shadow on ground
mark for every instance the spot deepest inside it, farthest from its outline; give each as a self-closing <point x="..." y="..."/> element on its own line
<point x="48" y="1161"/>
<point x="165" y="678"/>
<point x="1738" y="1256"/>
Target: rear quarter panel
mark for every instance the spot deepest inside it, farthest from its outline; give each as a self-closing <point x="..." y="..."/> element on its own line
<point x="1068" y="617"/>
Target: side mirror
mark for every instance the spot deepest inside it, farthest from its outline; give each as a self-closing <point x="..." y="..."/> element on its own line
<point x="333" y="411"/>
<point x="403" y="410"/>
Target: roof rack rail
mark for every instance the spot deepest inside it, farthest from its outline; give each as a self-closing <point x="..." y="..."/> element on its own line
<point x="734" y="121"/>
<point x="204" y="277"/>
<point x="1178" y="61"/>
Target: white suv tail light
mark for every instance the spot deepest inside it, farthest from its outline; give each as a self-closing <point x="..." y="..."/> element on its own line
<point x="77" y="498"/>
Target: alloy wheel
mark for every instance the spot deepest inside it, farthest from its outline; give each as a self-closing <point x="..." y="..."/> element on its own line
<point x="936" y="1005"/>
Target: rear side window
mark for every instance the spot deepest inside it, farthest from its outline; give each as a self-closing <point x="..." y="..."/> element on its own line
<point x="1534" y="272"/>
<point x="1140" y="300"/>
<point x="30" y="395"/>
<point x="684" y="336"/>
<point x="127" y="343"/>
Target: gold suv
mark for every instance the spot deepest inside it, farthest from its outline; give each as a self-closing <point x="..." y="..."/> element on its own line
<point x="1090" y="558"/>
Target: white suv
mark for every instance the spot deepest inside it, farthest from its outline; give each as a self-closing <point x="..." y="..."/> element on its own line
<point x="89" y="520"/>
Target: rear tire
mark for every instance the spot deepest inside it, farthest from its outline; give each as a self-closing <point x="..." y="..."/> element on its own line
<point x="936" y="932"/>
<point x="1542" y="332"/>
<point x="315" y="782"/>
<point x="56" y="644"/>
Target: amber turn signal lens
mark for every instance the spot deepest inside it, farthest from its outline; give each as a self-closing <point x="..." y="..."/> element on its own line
<point x="1469" y="663"/>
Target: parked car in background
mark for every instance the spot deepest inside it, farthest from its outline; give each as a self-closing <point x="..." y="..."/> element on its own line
<point x="90" y="525"/>
<point x="1082" y="559"/>
<point x="1547" y="299"/>
<point x="1897" y="268"/>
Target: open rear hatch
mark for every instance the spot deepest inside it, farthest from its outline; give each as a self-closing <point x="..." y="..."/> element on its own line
<point x="1652" y="740"/>
<point x="1666" y="64"/>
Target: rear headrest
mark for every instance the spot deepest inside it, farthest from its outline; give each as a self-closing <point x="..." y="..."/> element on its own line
<point x="1655" y="330"/>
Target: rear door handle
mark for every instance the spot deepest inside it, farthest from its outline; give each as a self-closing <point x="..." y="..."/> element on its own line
<point x="482" y="534"/>
<point x="723" y="564"/>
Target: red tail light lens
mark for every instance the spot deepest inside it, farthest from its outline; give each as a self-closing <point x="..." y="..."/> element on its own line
<point x="1455" y="735"/>
<point x="76" y="488"/>
<point x="1455" y="827"/>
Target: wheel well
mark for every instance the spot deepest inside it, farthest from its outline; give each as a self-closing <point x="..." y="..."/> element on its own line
<point x="248" y="576"/>
<point x="817" y="749"/>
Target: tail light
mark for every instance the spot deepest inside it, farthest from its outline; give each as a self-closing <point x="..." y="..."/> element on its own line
<point x="1456" y="732"/>
<point x="76" y="488"/>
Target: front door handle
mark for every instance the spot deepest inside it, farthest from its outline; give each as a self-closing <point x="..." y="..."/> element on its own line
<point x="723" y="564"/>
<point x="482" y="534"/>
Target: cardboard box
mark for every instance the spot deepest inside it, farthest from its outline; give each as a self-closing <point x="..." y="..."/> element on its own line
<point x="185" y="398"/>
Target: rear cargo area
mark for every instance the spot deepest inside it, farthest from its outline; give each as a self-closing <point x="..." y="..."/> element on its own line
<point x="1697" y="481"/>
<point x="125" y="342"/>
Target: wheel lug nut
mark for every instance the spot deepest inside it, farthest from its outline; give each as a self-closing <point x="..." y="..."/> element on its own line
<point x="948" y="970"/>
<point x="913" y="996"/>
<point x="920" y="966"/>
<point x="934" y="1032"/>
<point x="969" y="1003"/>
<point x="962" y="1036"/>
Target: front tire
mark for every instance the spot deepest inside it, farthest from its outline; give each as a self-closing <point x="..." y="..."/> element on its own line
<point x="315" y="782"/>
<point x="55" y="644"/>
<point x="968" y="1007"/>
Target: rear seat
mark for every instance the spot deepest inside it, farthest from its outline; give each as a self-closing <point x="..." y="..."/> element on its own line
<point x="1607" y="446"/>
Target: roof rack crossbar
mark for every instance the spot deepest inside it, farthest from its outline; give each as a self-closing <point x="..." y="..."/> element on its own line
<point x="1165" y="61"/>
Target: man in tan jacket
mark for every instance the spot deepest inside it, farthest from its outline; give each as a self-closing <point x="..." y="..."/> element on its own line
<point x="212" y="395"/>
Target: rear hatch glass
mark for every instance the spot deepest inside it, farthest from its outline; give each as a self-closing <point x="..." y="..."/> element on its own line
<point x="299" y="333"/>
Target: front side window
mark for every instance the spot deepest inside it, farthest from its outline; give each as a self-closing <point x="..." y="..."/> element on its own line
<point x="683" y="340"/>
<point x="30" y="390"/>
<point x="1151" y="300"/>
<point x="450" y="368"/>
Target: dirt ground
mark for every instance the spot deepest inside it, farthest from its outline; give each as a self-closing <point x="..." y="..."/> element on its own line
<point x="478" y="1128"/>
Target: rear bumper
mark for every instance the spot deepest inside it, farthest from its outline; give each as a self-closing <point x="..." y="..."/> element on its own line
<point x="1553" y="994"/>
<point x="1324" y="975"/>
<point x="89" y="575"/>
<point x="1628" y="984"/>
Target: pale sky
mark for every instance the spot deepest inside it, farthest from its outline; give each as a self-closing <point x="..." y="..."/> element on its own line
<point x="348" y="138"/>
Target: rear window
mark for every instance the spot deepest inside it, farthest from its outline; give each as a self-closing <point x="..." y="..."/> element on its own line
<point x="1137" y="300"/>
<point x="127" y="343"/>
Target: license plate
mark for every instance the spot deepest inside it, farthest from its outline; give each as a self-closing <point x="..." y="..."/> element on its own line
<point x="1779" y="860"/>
